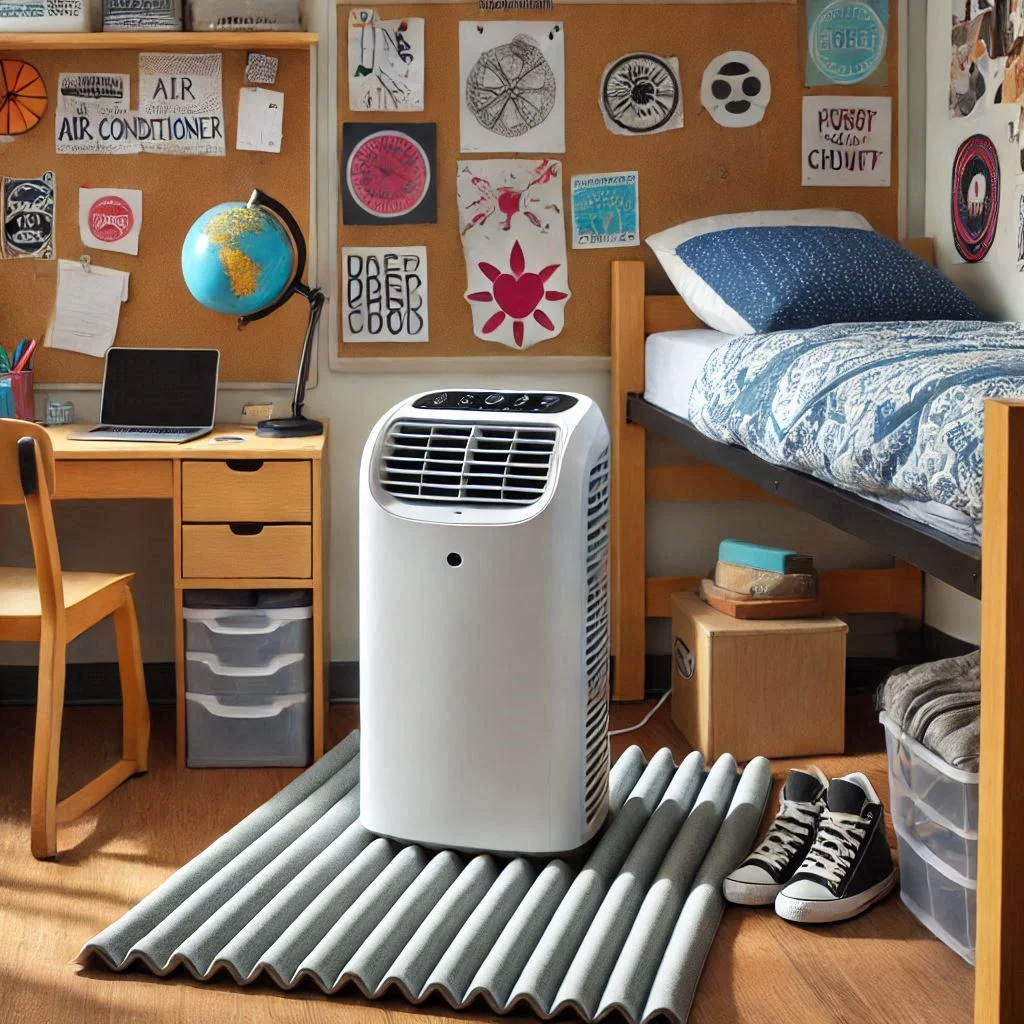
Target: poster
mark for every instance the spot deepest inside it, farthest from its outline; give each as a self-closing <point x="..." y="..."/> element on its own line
<point x="847" y="140"/>
<point x="384" y="293"/>
<point x="385" y="62"/>
<point x="181" y="102"/>
<point x="847" y="42"/>
<point x="983" y="34"/>
<point x="512" y="224"/>
<point x="110" y="218"/>
<point x="974" y="197"/>
<point x="388" y="173"/>
<point x="1019" y="204"/>
<point x="92" y="115"/>
<point x="605" y="210"/>
<point x="513" y="87"/>
<point x="28" y="217"/>
<point x="736" y="89"/>
<point x="641" y="94"/>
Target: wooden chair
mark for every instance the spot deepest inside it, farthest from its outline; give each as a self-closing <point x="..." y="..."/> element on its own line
<point x="50" y="607"/>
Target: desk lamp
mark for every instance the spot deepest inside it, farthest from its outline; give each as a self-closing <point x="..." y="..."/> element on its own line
<point x="247" y="260"/>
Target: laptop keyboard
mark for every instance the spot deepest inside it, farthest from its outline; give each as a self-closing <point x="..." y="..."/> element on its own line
<point x="148" y="430"/>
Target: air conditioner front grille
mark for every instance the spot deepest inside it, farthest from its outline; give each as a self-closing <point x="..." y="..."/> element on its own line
<point x="466" y="463"/>
<point x="597" y="641"/>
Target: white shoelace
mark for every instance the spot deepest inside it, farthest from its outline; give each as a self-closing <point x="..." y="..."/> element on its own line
<point x="835" y="846"/>
<point x="791" y="827"/>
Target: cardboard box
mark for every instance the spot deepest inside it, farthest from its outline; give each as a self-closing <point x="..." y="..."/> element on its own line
<point x="748" y="687"/>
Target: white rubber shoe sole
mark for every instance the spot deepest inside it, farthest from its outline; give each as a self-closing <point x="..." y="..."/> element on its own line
<point x="750" y="894"/>
<point x="828" y="911"/>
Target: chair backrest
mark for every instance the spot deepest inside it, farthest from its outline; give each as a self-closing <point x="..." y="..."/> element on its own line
<point x="27" y="476"/>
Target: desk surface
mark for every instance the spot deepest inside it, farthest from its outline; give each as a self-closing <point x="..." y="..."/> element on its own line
<point x="65" y="449"/>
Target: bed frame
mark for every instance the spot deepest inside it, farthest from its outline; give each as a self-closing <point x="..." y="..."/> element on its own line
<point x="995" y="573"/>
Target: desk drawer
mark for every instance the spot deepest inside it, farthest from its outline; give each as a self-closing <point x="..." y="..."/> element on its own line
<point x="246" y="491"/>
<point x="226" y="552"/>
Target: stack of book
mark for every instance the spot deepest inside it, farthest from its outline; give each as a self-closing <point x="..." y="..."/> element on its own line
<point x="756" y="582"/>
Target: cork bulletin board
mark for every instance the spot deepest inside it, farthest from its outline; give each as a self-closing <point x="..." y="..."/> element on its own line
<point x="700" y="170"/>
<point x="176" y="189"/>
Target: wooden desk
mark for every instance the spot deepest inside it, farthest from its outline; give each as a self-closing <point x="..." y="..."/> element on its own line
<point x="247" y="515"/>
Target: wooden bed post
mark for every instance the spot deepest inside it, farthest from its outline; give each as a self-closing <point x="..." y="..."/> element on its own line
<point x="629" y="453"/>
<point x="999" y="980"/>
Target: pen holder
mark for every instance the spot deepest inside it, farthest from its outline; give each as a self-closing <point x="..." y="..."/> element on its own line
<point x="17" y="400"/>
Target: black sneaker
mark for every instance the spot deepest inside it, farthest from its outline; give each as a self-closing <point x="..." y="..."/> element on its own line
<point x="849" y="868"/>
<point x="762" y="876"/>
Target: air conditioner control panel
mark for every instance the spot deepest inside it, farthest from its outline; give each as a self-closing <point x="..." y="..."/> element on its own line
<point x="496" y="401"/>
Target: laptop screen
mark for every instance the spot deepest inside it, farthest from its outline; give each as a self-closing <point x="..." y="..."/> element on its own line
<point x="160" y="387"/>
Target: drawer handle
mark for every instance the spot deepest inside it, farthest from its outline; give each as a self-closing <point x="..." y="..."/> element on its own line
<point x="245" y="529"/>
<point x="244" y="465"/>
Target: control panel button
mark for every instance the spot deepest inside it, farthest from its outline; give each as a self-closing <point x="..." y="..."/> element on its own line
<point x="494" y="399"/>
<point x="548" y="401"/>
<point x="440" y="399"/>
<point x="521" y="402"/>
<point x="468" y="402"/>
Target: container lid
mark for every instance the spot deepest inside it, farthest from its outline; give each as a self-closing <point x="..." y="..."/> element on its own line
<point x="919" y="750"/>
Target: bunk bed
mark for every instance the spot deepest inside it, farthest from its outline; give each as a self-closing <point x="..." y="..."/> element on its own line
<point x="991" y="571"/>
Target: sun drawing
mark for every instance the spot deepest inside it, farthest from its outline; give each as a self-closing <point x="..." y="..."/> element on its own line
<point x="518" y="295"/>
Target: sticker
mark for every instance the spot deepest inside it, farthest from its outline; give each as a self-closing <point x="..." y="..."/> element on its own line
<point x="605" y="210"/>
<point x="975" y="197"/>
<point x="684" y="659"/>
<point x="641" y="94"/>
<point x="110" y="218"/>
<point x="847" y="140"/>
<point x="28" y="217"/>
<point x="513" y="87"/>
<point x="846" y="41"/>
<point x="736" y="89"/>
<point x="23" y="98"/>
<point x="388" y="173"/>
<point x="180" y="100"/>
<point x="512" y="224"/>
<point x="261" y="69"/>
<point x="384" y="293"/>
<point x="385" y="62"/>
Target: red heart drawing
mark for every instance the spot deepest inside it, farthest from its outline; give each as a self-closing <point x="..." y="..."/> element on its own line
<point x="518" y="297"/>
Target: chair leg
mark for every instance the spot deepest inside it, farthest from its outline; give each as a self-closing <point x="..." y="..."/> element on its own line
<point x="46" y="750"/>
<point x="134" y="702"/>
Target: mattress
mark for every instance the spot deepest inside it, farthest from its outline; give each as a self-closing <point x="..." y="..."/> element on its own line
<point x="673" y="361"/>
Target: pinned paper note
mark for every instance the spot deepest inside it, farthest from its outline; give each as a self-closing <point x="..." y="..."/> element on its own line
<point x="92" y="115"/>
<point x="181" y="103"/>
<point x="88" y="307"/>
<point x="110" y="218"/>
<point x="385" y="62"/>
<point x="260" y="120"/>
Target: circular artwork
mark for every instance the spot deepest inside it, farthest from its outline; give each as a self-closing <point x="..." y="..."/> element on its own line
<point x="847" y="41"/>
<point x="388" y="174"/>
<point x="736" y="89"/>
<point x="110" y="219"/>
<point x="640" y="92"/>
<point x="511" y="88"/>
<point x="975" y="197"/>
<point x="22" y="97"/>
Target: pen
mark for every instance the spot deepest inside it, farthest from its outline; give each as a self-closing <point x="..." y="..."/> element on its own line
<point x="22" y="362"/>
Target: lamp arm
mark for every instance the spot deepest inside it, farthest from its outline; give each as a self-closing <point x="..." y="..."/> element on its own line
<point x="316" y="304"/>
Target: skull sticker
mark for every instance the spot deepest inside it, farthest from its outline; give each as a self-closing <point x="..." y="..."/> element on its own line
<point x="736" y="89"/>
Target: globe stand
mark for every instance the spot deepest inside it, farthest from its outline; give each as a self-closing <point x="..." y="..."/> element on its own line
<point x="295" y="425"/>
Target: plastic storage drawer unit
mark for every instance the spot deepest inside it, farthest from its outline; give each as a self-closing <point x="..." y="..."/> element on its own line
<point x="282" y="674"/>
<point x="956" y="849"/>
<point x="249" y="636"/>
<point x="942" y="900"/>
<point x="250" y="732"/>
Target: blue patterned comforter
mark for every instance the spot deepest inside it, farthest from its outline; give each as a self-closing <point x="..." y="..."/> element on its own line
<point x="891" y="410"/>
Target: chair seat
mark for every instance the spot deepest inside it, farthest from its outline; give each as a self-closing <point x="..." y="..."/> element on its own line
<point x="89" y="597"/>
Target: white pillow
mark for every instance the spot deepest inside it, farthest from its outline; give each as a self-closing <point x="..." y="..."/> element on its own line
<point x="705" y="302"/>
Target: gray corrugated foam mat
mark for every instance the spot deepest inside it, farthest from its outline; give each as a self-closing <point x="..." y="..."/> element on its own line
<point x="300" y="890"/>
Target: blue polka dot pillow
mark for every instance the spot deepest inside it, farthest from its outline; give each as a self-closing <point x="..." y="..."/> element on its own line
<point x="780" y="270"/>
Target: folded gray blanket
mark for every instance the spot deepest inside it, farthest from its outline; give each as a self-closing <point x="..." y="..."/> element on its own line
<point x="939" y="705"/>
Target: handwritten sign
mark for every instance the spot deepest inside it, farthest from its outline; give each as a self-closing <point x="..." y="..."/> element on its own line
<point x="181" y="101"/>
<point x="384" y="293"/>
<point x="605" y="210"/>
<point x="847" y="140"/>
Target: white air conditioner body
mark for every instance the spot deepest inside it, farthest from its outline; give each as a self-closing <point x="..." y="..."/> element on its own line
<point x="484" y="622"/>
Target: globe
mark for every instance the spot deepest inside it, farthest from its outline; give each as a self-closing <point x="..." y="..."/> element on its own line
<point x="237" y="259"/>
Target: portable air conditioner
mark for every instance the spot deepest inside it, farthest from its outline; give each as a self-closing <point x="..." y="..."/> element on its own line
<point x="484" y="621"/>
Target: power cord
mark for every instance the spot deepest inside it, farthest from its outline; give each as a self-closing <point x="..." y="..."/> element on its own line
<point x="643" y="721"/>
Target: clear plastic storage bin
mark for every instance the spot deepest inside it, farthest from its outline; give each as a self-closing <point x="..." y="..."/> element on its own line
<point x="250" y="732"/>
<point x="207" y="675"/>
<point x="948" y="795"/>
<point x="249" y="637"/>
<point x="956" y="849"/>
<point x="942" y="900"/>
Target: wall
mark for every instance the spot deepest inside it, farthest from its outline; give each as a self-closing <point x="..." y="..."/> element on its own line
<point x="681" y="538"/>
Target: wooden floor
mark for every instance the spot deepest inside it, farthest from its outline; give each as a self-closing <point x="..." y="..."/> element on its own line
<point x="882" y="967"/>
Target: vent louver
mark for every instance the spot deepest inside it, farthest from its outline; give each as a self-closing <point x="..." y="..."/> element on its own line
<point x="597" y="640"/>
<point x="466" y="463"/>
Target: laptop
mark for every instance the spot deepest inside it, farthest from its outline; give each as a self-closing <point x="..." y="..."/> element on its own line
<point x="156" y="394"/>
